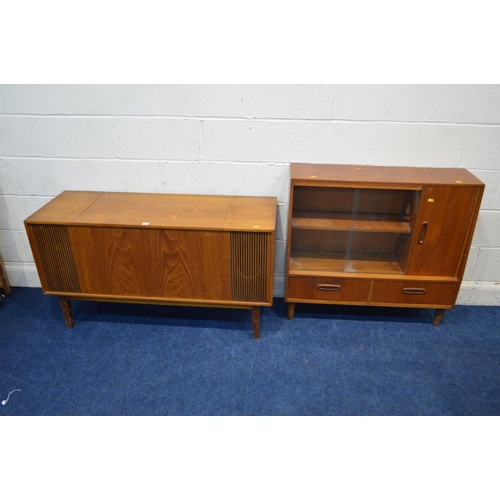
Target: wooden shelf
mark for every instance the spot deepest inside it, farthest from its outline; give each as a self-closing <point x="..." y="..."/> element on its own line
<point x="323" y="263"/>
<point x="332" y="221"/>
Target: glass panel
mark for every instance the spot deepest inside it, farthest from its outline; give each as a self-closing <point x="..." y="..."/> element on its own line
<point x="352" y="230"/>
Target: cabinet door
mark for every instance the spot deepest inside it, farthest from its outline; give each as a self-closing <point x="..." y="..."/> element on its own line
<point x="169" y="264"/>
<point x="444" y="222"/>
<point x="195" y="265"/>
<point x="120" y="262"/>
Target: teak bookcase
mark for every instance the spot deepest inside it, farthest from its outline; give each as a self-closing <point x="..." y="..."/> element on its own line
<point x="196" y="250"/>
<point x="379" y="236"/>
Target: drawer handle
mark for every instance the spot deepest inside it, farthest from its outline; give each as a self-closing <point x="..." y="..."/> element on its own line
<point x="329" y="288"/>
<point x="414" y="291"/>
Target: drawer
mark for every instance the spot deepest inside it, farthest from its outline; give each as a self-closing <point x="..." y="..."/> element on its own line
<point x="413" y="292"/>
<point x="328" y="289"/>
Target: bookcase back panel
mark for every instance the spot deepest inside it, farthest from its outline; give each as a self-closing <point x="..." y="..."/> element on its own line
<point x="323" y="199"/>
<point x="344" y="241"/>
<point x="353" y="201"/>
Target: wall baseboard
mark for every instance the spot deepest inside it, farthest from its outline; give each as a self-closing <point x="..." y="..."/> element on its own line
<point x="472" y="293"/>
<point x="479" y="293"/>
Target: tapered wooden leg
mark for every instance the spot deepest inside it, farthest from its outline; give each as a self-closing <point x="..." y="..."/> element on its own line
<point x="256" y="322"/>
<point x="438" y="316"/>
<point x="67" y="312"/>
<point x="291" y="310"/>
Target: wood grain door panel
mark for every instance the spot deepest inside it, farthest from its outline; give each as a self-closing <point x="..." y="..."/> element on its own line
<point x="413" y="292"/>
<point x="116" y="261"/>
<point x="328" y="289"/>
<point x="176" y="264"/>
<point x="443" y="223"/>
<point x="195" y="265"/>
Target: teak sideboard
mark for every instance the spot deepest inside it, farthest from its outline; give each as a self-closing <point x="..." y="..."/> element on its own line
<point x="379" y="236"/>
<point x="195" y="250"/>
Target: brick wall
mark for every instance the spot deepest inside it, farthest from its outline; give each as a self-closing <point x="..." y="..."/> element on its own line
<point x="239" y="139"/>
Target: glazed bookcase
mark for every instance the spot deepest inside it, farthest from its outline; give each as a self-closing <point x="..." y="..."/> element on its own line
<point x="379" y="236"/>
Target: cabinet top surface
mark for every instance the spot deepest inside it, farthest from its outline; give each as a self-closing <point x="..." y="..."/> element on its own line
<point x="228" y="213"/>
<point x="310" y="173"/>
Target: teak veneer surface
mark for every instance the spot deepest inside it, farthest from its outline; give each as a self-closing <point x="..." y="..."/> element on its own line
<point x="251" y="213"/>
<point x="88" y="208"/>
<point x="65" y="208"/>
<point x="407" y="229"/>
<point x="194" y="250"/>
<point x="346" y="222"/>
<point x="345" y="174"/>
<point x="318" y="263"/>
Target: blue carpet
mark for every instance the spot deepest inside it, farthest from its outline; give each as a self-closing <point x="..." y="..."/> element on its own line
<point x="123" y="359"/>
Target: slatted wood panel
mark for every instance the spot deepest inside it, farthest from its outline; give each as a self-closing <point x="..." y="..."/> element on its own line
<point x="249" y="266"/>
<point x="56" y="258"/>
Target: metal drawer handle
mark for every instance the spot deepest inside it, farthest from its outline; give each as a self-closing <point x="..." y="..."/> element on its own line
<point x="329" y="288"/>
<point x="414" y="291"/>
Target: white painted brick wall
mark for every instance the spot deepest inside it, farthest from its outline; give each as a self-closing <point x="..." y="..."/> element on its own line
<point x="482" y="149"/>
<point x="74" y="137"/>
<point x="111" y="99"/>
<point x="419" y="144"/>
<point x="464" y="104"/>
<point x="381" y="102"/>
<point x="289" y="101"/>
<point x="14" y="209"/>
<point x="39" y="177"/>
<point x="13" y="246"/>
<point x="487" y="234"/>
<point x="320" y="142"/>
<point x="4" y="183"/>
<point x="487" y="259"/>
<point x="16" y="136"/>
<point x="491" y="196"/>
<point x="245" y="140"/>
<point x="158" y="138"/>
<point x="471" y="263"/>
<point x="199" y="100"/>
<point x="239" y="139"/>
<point x="34" y="99"/>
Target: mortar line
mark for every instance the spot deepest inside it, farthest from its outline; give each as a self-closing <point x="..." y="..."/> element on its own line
<point x="34" y="138"/>
<point x="257" y="119"/>
<point x="67" y="99"/>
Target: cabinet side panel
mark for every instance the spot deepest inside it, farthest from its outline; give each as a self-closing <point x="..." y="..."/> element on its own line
<point x="249" y="254"/>
<point x="195" y="265"/>
<point x="56" y="258"/>
<point x="116" y="261"/>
